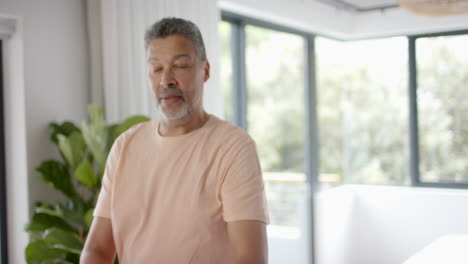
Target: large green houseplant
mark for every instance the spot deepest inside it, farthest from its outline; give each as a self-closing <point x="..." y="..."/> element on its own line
<point x="58" y="231"/>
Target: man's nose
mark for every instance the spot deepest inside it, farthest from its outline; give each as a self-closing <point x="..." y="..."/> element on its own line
<point x="167" y="79"/>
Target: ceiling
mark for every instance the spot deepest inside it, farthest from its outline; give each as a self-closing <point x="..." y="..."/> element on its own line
<point x="370" y="3"/>
<point x="323" y="18"/>
<point x="360" y="6"/>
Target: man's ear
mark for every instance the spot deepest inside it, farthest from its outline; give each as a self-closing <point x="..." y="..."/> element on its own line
<point x="207" y="71"/>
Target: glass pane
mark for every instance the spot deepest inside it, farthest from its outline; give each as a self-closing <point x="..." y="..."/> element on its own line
<point x="442" y="68"/>
<point x="275" y="116"/>
<point x="225" y="30"/>
<point x="362" y="110"/>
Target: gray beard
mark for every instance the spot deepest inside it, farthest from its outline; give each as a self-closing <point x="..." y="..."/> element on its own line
<point x="184" y="111"/>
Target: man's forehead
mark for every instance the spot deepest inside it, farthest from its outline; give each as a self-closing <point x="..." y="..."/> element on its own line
<point x="172" y="41"/>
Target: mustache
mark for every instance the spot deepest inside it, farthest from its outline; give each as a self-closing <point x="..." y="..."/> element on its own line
<point x="172" y="91"/>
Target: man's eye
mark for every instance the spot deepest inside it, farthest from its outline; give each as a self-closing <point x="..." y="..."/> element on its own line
<point x="181" y="65"/>
<point x="157" y="69"/>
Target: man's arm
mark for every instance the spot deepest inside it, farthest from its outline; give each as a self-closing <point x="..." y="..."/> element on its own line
<point x="249" y="241"/>
<point x="99" y="246"/>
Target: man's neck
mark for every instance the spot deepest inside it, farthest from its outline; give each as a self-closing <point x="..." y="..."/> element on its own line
<point x="194" y="121"/>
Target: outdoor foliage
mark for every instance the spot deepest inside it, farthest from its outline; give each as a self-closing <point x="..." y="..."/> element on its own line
<point x="443" y="107"/>
<point x="363" y="109"/>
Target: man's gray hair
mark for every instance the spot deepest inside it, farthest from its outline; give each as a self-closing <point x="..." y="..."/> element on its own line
<point x="177" y="26"/>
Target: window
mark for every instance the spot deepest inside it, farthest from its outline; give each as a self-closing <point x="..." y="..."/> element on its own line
<point x="442" y="92"/>
<point x="362" y="110"/>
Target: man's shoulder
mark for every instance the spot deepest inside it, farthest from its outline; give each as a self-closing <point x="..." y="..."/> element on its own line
<point x="134" y="130"/>
<point x="227" y="132"/>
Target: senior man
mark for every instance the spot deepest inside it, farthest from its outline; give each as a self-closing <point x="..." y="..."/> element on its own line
<point x="186" y="188"/>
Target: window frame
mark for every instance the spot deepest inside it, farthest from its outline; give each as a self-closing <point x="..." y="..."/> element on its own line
<point x="415" y="174"/>
<point x="3" y="210"/>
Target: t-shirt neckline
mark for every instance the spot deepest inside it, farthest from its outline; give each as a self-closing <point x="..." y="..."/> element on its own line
<point x="179" y="137"/>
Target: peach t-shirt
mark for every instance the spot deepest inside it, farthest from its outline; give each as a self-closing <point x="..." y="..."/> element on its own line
<point x="169" y="198"/>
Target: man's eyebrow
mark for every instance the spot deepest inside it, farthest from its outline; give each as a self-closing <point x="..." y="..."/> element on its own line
<point x="182" y="56"/>
<point x="154" y="59"/>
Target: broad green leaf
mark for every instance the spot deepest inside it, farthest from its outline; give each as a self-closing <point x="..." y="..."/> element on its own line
<point x="73" y="148"/>
<point x="61" y="239"/>
<point x="96" y="113"/>
<point x="38" y="204"/>
<point x="85" y="175"/>
<point x="48" y="211"/>
<point x="128" y="123"/>
<point x="111" y="130"/>
<point x="37" y="252"/>
<point x="77" y="205"/>
<point x="62" y="212"/>
<point x="73" y="216"/>
<point x="89" y="217"/>
<point x="41" y="222"/>
<point x="72" y="258"/>
<point x="56" y="261"/>
<point x="55" y="173"/>
<point x="66" y="128"/>
<point x="95" y="134"/>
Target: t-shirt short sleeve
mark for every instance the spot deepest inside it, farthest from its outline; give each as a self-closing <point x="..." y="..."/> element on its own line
<point x="103" y="205"/>
<point x="242" y="191"/>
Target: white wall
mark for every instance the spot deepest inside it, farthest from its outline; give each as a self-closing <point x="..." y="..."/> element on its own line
<point x="334" y="212"/>
<point x="50" y="52"/>
<point x="55" y="72"/>
<point x="286" y="248"/>
<point x="358" y="224"/>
